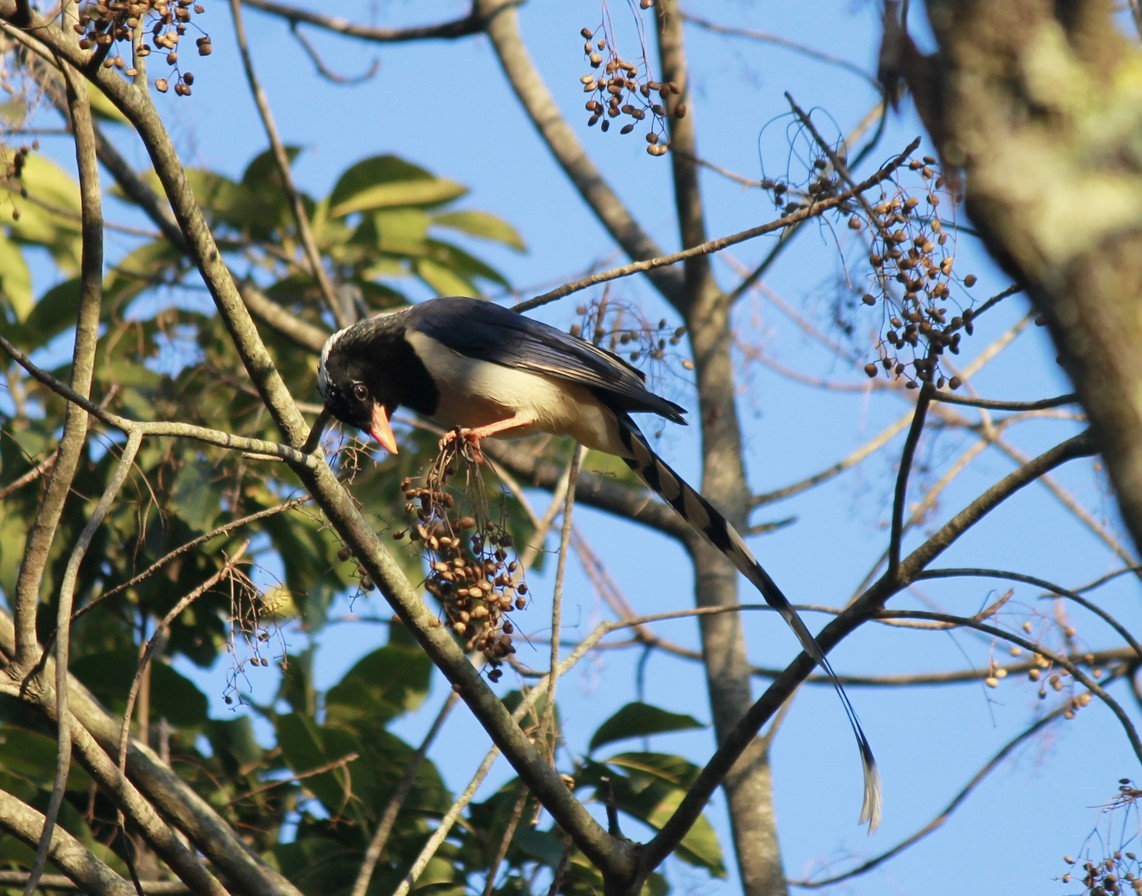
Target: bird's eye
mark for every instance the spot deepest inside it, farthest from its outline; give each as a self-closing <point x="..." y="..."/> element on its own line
<point x="360" y="392"/>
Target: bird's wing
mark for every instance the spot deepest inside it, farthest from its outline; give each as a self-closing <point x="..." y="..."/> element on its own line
<point x="488" y="332"/>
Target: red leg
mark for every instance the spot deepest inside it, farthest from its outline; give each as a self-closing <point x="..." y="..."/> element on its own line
<point x="474" y="436"/>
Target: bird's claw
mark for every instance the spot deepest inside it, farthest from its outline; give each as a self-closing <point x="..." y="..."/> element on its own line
<point x="467" y="442"/>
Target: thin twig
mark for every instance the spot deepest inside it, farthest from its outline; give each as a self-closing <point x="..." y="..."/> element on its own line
<point x="461" y="27"/>
<point x="810" y="210"/>
<point x="900" y="497"/>
<point x="160" y="632"/>
<point x="281" y="160"/>
<point x="388" y="818"/>
<point x="548" y="725"/>
<point x="944" y="814"/>
<point x="158" y="428"/>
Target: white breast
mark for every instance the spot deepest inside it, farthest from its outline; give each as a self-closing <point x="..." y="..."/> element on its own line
<point x="476" y="393"/>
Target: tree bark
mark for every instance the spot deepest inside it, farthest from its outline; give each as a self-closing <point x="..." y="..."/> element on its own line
<point x="1039" y="106"/>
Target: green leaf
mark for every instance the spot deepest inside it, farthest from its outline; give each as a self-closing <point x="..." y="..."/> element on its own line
<point x="384" y="684"/>
<point x="49" y="216"/>
<point x="15" y="280"/>
<point x="483" y="225"/>
<point x="32" y="756"/>
<point x="401" y="231"/>
<point x="640" y="720"/>
<point x="307" y="746"/>
<point x="174" y="697"/>
<point x="442" y="280"/>
<point x="653" y="788"/>
<point x="53" y="313"/>
<point x="263" y="168"/>
<point x="387" y="181"/>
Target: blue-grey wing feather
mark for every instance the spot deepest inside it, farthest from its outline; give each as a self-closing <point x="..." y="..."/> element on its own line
<point x="489" y="332"/>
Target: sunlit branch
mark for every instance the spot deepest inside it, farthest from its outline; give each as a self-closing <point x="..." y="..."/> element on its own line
<point x="75" y="435"/>
<point x="461" y="27"/>
<point x="810" y="210"/>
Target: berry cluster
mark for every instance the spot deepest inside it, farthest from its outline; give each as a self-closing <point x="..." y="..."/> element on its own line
<point x="1120" y="872"/>
<point x="471" y="569"/>
<point x="646" y="340"/>
<point x="912" y="276"/>
<point x="14" y="162"/>
<point x="619" y="87"/>
<point x="159" y="24"/>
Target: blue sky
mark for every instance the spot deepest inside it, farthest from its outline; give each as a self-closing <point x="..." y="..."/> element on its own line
<point x="444" y="105"/>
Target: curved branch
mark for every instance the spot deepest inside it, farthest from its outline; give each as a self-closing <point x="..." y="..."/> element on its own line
<point x="811" y="210"/>
<point x="900" y="497"/>
<point x="462" y="27"/>
<point x="1059" y="659"/>
<point x="72" y="857"/>
<point x="1046" y="585"/>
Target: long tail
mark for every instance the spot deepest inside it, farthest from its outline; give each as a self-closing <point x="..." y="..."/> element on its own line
<point x="705" y="518"/>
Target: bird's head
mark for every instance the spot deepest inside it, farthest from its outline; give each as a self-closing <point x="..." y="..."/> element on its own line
<point x="351" y="380"/>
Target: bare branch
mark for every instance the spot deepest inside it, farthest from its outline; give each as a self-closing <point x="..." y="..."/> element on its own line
<point x="85" y="870"/>
<point x="777" y="40"/>
<point x="388" y="818"/>
<point x="900" y="497"/>
<point x="811" y="210"/>
<point x="461" y="27"/>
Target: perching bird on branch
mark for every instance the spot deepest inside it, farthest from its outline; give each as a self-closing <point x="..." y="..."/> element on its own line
<point x="493" y="372"/>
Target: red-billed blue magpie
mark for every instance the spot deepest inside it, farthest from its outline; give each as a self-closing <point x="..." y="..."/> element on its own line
<point x="490" y="371"/>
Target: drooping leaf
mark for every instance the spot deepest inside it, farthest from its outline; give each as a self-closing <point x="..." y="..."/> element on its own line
<point x="640" y="720"/>
<point x="15" y="281"/>
<point x="383" y="684"/>
<point x="483" y="225"/>
<point x="387" y="181"/>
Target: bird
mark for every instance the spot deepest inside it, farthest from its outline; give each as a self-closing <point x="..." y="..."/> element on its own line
<point x="482" y="370"/>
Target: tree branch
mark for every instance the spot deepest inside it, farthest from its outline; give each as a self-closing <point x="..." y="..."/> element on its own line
<point x="811" y="210"/>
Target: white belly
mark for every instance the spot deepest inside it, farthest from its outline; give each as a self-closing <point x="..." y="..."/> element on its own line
<point x="477" y="393"/>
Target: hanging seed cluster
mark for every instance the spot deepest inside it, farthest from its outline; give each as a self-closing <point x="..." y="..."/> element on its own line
<point x="913" y="273"/>
<point x="822" y="183"/>
<point x="14" y="161"/>
<point x="1119" y="873"/>
<point x="158" y="26"/>
<point x="647" y="340"/>
<point x="472" y="566"/>
<point x="623" y="92"/>
<point x="1041" y="670"/>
